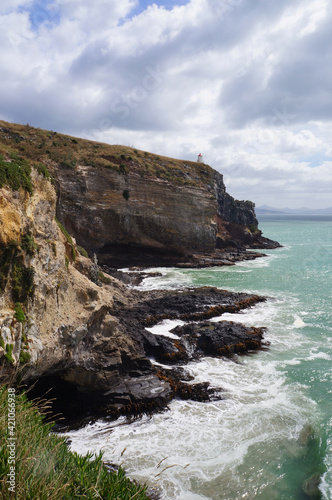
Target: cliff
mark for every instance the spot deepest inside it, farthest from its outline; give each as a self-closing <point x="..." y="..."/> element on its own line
<point x="55" y="316"/>
<point x="70" y="326"/>
<point x="135" y="208"/>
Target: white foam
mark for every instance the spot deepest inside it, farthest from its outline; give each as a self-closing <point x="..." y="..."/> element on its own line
<point x="298" y="323"/>
<point x="164" y="327"/>
<point x="319" y="355"/>
<point x="203" y="442"/>
<point x="225" y="447"/>
<point x="259" y="262"/>
<point x="170" y="278"/>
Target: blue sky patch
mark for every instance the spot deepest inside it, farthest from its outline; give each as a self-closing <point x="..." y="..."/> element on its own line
<point x="41" y="13"/>
<point x="167" y="4"/>
<point x="315" y="160"/>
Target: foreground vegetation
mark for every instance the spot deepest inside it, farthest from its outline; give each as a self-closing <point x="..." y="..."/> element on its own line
<point x="44" y="468"/>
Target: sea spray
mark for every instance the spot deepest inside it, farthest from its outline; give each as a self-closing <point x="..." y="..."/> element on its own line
<point x="270" y="435"/>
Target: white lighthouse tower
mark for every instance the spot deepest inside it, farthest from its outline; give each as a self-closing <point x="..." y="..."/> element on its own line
<point x="200" y="158"/>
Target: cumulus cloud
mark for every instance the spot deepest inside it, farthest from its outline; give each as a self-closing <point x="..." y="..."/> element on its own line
<point x="247" y="84"/>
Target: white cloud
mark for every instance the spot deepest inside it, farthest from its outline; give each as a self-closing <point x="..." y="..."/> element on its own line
<point x="246" y="84"/>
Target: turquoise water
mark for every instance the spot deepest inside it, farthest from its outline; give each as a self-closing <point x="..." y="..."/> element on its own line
<point x="271" y="436"/>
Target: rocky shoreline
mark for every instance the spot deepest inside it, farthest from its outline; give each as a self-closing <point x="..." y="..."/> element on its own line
<point x="71" y="206"/>
<point x="106" y="386"/>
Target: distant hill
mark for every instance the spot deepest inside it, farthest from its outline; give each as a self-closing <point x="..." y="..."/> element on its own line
<point x="267" y="210"/>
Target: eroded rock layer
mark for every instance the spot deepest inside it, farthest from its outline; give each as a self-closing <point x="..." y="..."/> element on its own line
<point x="132" y="207"/>
<point x="70" y="326"/>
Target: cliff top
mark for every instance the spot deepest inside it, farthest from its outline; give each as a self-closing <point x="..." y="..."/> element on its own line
<point x="68" y="152"/>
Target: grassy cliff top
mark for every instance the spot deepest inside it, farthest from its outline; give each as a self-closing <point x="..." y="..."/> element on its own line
<point x="64" y="151"/>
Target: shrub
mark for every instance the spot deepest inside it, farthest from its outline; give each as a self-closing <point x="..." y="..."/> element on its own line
<point x="22" y="281"/>
<point x="28" y="244"/>
<point x="252" y="228"/>
<point x="15" y="174"/>
<point x="42" y="170"/>
<point x="12" y="266"/>
<point x="19" y="313"/>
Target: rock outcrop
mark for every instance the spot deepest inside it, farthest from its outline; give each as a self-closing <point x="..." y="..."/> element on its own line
<point x="160" y="222"/>
<point x="132" y="207"/>
<point x="81" y="331"/>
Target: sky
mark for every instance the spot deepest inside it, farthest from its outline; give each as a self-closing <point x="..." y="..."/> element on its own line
<point x="246" y="83"/>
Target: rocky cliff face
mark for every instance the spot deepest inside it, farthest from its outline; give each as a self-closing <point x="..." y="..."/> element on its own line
<point x="128" y="220"/>
<point x="157" y="217"/>
<point x="54" y="319"/>
<point x="82" y="333"/>
<point x="63" y="321"/>
<point x="133" y="207"/>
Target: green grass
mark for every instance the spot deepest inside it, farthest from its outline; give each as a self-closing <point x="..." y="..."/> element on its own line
<point x="15" y="173"/>
<point x="19" y="313"/>
<point x="28" y="244"/>
<point x="42" y="170"/>
<point x="12" y="266"/>
<point x="44" y="466"/>
<point x="58" y="150"/>
<point x="68" y="238"/>
<point x="25" y="356"/>
<point x="22" y="280"/>
<point x="8" y="353"/>
<point x="82" y="251"/>
<point x="104" y="279"/>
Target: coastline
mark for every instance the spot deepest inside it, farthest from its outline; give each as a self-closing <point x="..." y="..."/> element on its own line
<point x="139" y="385"/>
<point x="67" y="323"/>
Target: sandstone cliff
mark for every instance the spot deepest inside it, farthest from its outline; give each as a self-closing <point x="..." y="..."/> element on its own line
<point x="133" y="207"/>
<point x="63" y="321"/>
<point x="55" y="318"/>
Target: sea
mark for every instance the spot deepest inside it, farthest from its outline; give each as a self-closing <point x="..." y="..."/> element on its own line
<point x="270" y="437"/>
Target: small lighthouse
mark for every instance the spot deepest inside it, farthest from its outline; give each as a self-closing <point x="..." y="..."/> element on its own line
<point x="200" y="158"/>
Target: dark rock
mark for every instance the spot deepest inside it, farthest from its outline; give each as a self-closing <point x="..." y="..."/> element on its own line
<point x="109" y="372"/>
<point x="201" y="392"/>
<point x="224" y="338"/>
<point x="135" y="277"/>
<point x="188" y="304"/>
<point x="160" y="224"/>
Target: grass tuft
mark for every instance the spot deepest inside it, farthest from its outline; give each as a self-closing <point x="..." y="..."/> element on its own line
<point x="42" y="170"/>
<point x="68" y="238"/>
<point x="43" y="465"/>
<point x="82" y="251"/>
<point x="9" y="354"/>
<point x="19" y="313"/>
